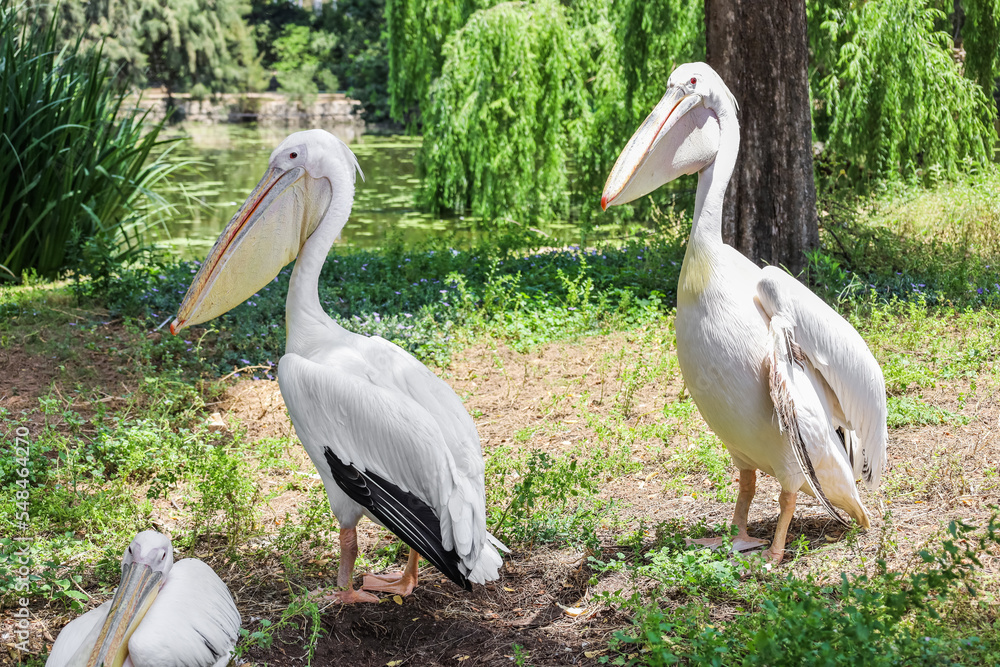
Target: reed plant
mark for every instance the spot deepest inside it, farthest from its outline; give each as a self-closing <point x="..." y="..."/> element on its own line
<point x="76" y="179"/>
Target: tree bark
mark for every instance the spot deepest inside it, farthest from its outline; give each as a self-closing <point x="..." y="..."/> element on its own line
<point x="761" y="50"/>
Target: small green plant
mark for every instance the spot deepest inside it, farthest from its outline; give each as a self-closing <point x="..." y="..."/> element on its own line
<point x="248" y="640"/>
<point x="704" y="455"/>
<point x="313" y="529"/>
<point x="541" y="494"/>
<point x="227" y="496"/>
<point x="302" y="610"/>
<point x="521" y="655"/>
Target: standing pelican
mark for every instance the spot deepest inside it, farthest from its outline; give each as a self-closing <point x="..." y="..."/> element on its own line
<point x="390" y="439"/>
<point x="755" y="343"/>
<point x="164" y="614"/>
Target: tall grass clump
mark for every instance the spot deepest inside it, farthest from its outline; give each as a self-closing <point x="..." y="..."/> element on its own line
<point x="76" y="179"/>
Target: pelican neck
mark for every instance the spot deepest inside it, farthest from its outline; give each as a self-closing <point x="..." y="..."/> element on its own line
<point x="303" y="310"/>
<point x="706" y="230"/>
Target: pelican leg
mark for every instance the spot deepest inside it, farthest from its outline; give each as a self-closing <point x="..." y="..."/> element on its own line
<point x="786" y="502"/>
<point x="742" y="541"/>
<point x="400" y="584"/>
<point x="348" y="554"/>
<point x="748" y="488"/>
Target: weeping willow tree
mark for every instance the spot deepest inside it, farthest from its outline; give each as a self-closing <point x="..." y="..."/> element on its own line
<point x="495" y="131"/>
<point x="417" y="33"/>
<point x="655" y="38"/>
<point x="891" y="101"/>
<point x="531" y="107"/>
<point x="981" y="38"/>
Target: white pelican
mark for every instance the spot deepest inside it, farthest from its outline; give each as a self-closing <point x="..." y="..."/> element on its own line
<point x="785" y="382"/>
<point x="164" y="614"/>
<point x="390" y="439"/>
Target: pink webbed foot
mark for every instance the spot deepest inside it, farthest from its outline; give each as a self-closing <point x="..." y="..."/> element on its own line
<point x="396" y="584"/>
<point x="710" y="542"/>
<point x="349" y="596"/>
<point x="402" y="583"/>
<point x="739" y="543"/>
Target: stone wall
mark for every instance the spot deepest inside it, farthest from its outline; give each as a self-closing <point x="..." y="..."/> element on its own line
<point x="266" y="108"/>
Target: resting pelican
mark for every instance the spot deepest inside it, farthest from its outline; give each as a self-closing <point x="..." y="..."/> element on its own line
<point x="390" y="439"/>
<point x="755" y="343"/>
<point x="164" y="614"/>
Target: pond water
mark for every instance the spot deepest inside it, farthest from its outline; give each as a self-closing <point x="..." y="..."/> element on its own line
<point x="232" y="158"/>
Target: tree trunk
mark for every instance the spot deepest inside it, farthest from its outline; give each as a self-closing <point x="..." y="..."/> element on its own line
<point x="760" y="49"/>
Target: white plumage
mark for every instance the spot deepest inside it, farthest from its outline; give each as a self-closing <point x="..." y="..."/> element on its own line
<point x="192" y="622"/>
<point x="390" y="439"/>
<point x="775" y="372"/>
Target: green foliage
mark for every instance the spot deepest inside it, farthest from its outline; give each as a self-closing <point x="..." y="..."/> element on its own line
<point x="705" y="457"/>
<point x="47" y="579"/>
<point x="344" y="46"/>
<point x="905" y="410"/>
<point x="535" y="100"/>
<point x="891" y="102"/>
<point x="413" y="298"/>
<point x="200" y="41"/>
<point x="301" y="61"/>
<point x="890" y="618"/>
<point x="508" y="82"/>
<point x="268" y="19"/>
<point x="417" y="30"/>
<point x="544" y="487"/>
<point x="534" y="496"/>
<point x="301" y="607"/>
<point x="78" y="178"/>
<point x="981" y="39"/>
<point x="940" y="245"/>
<point x="228" y="496"/>
<point x="177" y="44"/>
<point x="654" y="38"/>
<point x="361" y="56"/>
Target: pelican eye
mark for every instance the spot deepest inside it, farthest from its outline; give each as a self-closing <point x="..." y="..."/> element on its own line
<point x="164" y="555"/>
<point x="293" y="155"/>
<point x="130" y="549"/>
<point x="694" y="81"/>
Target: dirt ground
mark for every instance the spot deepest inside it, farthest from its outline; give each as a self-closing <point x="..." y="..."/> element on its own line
<point x="543" y="602"/>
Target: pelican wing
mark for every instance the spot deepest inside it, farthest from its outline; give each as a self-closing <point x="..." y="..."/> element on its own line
<point x="853" y="386"/>
<point x="193" y="622"/>
<point x="398" y="370"/>
<point x="397" y="450"/>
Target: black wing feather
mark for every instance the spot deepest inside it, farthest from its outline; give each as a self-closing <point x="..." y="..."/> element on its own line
<point x="409" y="517"/>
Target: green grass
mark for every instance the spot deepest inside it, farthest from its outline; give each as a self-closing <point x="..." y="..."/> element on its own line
<point x="907" y="411"/>
<point x="940" y="245"/>
<point x="99" y="477"/>
<point x="887" y="618"/>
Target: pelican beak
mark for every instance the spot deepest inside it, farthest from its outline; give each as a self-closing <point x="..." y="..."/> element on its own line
<point x="136" y="593"/>
<point x="675" y="139"/>
<point x="264" y="236"/>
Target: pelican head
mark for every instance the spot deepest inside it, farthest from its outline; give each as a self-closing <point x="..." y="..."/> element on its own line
<point x="680" y="136"/>
<point x="309" y="177"/>
<point x="145" y="565"/>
